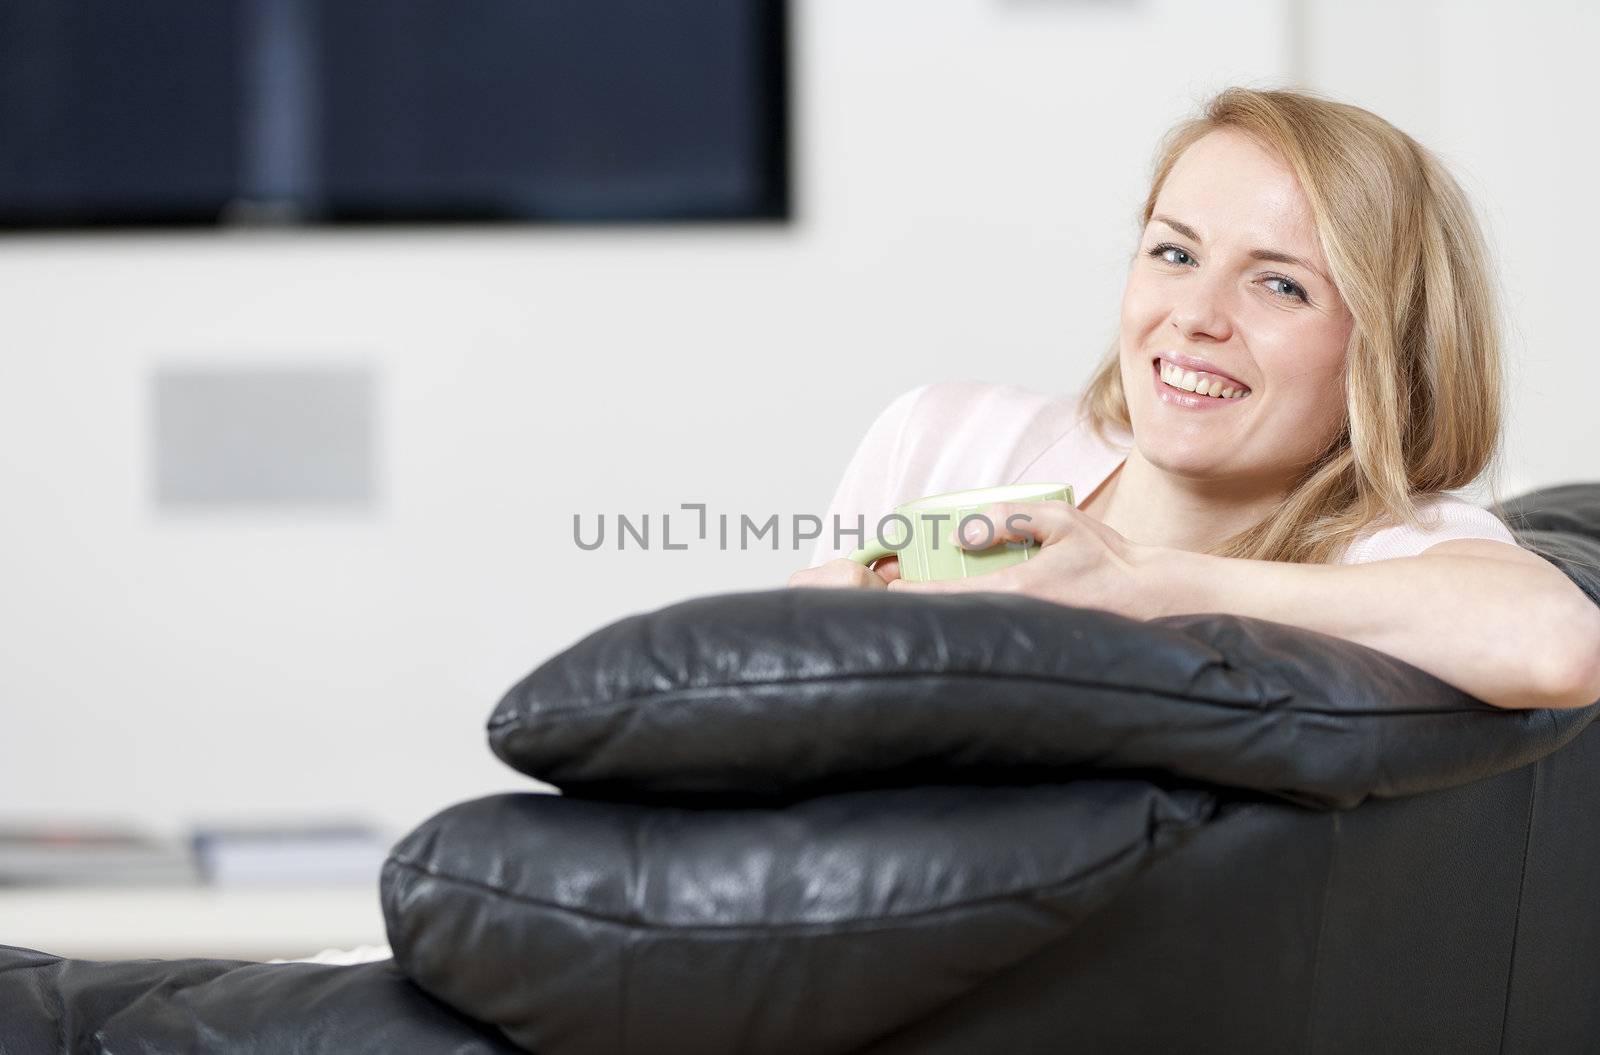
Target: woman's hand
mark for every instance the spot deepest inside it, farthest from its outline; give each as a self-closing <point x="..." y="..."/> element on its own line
<point x="1080" y="562"/>
<point x="846" y="573"/>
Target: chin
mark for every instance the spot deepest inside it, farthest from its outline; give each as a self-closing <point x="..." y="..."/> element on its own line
<point x="1188" y="462"/>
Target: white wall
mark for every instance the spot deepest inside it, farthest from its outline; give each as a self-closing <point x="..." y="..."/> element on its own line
<point x="967" y="179"/>
<point x="1506" y="94"/>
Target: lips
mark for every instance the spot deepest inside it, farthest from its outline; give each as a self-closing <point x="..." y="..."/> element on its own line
<point x="1190" y="401"/>
<point x="1199" y="366"/>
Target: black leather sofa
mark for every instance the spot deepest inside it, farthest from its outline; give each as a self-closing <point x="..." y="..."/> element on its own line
<point x="828" y="821"/>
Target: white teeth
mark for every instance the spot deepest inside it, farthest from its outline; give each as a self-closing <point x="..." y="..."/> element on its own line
<point x="1189" y="381"/>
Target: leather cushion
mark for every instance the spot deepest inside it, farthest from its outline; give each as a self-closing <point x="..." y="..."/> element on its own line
<point x="601" y="928"/>
<point x="1573" y="509"/>
<point x="791" y="692"/>
<point x="158" y="1007"/>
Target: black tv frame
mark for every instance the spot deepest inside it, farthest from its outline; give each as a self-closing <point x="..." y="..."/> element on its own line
<point x="775" y="205"/>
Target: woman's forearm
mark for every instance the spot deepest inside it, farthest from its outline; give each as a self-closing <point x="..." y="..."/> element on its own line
<point x="1509" y="633"/>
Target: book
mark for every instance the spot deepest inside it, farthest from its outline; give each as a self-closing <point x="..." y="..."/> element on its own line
<point x="290" y="855"/>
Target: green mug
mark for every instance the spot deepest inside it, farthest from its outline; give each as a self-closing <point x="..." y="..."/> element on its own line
<point x="928" y="554"/>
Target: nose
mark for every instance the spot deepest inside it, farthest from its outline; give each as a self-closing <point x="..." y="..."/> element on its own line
<point x="1202" y="311"/>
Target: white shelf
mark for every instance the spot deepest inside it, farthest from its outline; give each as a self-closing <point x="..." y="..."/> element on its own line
<point x="104" y="923"/>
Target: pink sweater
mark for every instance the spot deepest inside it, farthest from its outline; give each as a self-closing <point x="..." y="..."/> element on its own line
<point x="952" y="435"/>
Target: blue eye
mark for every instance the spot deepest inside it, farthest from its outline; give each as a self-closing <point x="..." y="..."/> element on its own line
<point x="1160" y="252"/>
<point x="1293" y="288"/>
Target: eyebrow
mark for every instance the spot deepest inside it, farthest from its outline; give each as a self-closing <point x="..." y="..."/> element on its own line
<point x="1274" y="255"/>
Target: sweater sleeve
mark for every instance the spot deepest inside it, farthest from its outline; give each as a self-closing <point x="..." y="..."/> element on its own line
<point x="1444" y="517"/>
<point x="872" y="481"/>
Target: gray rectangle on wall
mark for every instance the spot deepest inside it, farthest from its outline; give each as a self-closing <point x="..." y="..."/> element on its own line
<point x="273" y="436"/>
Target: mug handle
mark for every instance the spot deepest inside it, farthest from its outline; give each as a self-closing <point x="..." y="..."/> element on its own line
<point x="875" y="551"/>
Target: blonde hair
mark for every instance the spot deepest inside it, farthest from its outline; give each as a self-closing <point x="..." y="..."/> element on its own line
<point x="1423" y="376"/>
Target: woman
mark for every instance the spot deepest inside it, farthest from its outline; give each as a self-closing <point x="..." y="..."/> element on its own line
<point x="1309" y="357"/>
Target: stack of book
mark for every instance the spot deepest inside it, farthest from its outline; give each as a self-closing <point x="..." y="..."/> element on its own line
<point x="295" y="855"/>
<point x="77" y="855"/>
<point x="316" y="854"/>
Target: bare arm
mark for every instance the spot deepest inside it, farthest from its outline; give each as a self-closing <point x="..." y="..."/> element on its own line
<point x="1496" y="621"/>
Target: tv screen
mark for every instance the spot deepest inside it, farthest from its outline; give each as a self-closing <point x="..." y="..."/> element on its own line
<point x="324" y="111"/>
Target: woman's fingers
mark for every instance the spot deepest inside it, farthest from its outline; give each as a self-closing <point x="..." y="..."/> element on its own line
<point x="1014" y="522"/>
<point x="841" y="572"/>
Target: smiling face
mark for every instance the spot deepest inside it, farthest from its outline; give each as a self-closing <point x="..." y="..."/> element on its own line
<point x="1230" y="273"/>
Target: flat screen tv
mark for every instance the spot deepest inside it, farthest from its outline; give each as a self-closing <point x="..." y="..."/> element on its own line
<point x="162" y="112"/>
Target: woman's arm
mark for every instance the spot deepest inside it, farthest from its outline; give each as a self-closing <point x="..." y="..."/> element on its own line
<point x="1496" y="621"/>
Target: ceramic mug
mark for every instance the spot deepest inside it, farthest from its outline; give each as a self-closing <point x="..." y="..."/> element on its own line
<point x="928" y="554"/>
